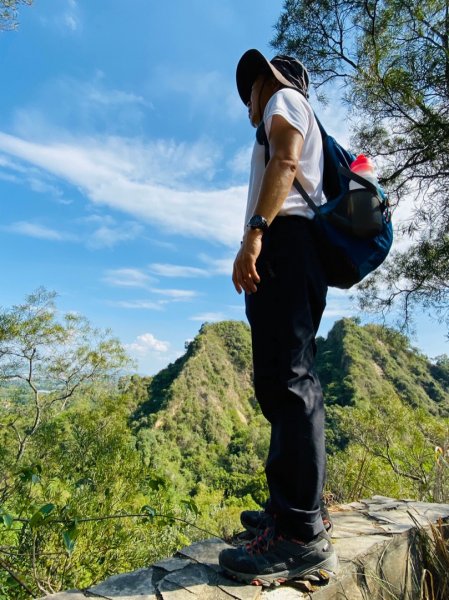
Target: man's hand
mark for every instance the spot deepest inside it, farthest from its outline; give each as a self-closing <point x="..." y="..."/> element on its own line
<point x="244" y="274"/>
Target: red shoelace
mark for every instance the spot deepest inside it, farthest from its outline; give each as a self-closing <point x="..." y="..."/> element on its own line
<point x="263" y="542"/>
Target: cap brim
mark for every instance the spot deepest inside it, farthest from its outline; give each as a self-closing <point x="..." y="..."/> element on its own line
<point x="252" y="64"/>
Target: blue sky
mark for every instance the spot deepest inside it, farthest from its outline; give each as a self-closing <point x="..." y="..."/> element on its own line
<point x="124" y="157"/>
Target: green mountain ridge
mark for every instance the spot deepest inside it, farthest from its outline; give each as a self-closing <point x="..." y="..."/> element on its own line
<point x="358" y="363"/>
<point x="200" y="408"/>
<point x="201" y="425"/>
<point x="215" y="370"/>
<point x="185" y="451"/>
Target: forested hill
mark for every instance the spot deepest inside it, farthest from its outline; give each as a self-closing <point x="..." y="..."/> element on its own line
<point x="364" y="362"/>
<point x="200" y="422"/>
<point x="200" y="418"/>
<point x="210" y="385"/>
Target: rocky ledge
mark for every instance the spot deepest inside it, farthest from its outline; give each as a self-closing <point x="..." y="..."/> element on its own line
<point x="375" y="540"/>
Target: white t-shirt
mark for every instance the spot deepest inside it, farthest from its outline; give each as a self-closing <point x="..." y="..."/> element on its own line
<point x="295" y="109"/>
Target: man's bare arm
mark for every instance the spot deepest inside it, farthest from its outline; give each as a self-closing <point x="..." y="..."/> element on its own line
<point x="285" y="150"/>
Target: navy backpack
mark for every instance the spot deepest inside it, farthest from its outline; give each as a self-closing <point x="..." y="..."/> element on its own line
<point x="354" y="226"/>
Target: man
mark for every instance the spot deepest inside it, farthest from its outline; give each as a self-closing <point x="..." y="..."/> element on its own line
<point x="279" y="269"/>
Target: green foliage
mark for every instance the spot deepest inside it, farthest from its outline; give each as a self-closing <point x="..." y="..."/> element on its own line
<point x="377" y="361"/>
<point x="198" y="405"/>
<point x="124" y="471"/>
<point x="433" y="554"/>
<point x="53" y="360"/>
<point x="57" y="515"/>
<point x="392" y="59"/>
<point x="392" y="452"/>
<point x="9" y="13"/>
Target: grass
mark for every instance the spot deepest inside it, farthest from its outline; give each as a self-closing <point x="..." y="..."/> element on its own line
<point x="432" y="545"/>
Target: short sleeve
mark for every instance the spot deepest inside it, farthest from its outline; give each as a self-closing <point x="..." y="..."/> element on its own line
<point x="285" y="103"/>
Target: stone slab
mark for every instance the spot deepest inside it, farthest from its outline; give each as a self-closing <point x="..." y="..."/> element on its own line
<point x="190" y="582"/>
<point x="137" y="585"/>
<point x="284" y="593"/>
<point x="352" y="548"/>
<point x="205" y="583"/>
<point x="431" y="511"/>
<point x="412" y="515"/>
<point x="237" y="590"/>
<point x="378" y="500"/>
<point x="353" y="524"/>
<point x="206" y="552"/>
<point x="384" y="506"/>
<point x="350" y="506"/>
<point x="190" y="577"/>
<point x="172" y="564"/>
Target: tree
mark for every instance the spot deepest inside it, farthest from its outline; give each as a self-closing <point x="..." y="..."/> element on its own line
<point x="391" y="58"/>
<point x="51" y="359"/>
<point x="9" y="13"/>
<point x="76" y="500"/>
<point x="394" y="450"/>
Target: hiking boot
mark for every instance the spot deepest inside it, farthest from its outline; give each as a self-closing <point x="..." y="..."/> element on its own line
<point x="256" y="521"/>
<point x="272" y="559"/>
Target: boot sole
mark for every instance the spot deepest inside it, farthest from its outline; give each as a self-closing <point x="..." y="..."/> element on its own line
<point x="322" y="573"/>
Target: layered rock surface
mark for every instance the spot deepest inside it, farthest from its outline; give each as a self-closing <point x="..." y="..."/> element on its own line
<point x="374" y="538"/>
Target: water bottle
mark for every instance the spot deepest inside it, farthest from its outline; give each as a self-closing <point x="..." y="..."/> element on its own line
<point x="363" y="205"/>
<point x="364" y="167"/>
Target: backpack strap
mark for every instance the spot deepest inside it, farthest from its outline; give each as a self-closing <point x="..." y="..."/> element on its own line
<point x="262" y="139"/>
<point x="343" y="170"/>
<point x="351" y="175"/>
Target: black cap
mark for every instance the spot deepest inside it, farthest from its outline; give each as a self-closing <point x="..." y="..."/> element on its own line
<point x="289" y="71"/>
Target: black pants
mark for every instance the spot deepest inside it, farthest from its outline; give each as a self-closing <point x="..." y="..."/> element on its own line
<point x="284" y="315"/>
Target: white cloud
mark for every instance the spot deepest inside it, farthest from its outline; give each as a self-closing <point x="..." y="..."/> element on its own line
<point x="339" y="304"/>
<point x="127" y="277"/>
<point x="166" y="270"/>
<point x="208" y="317"/>
<point x="71" y="21"/>
<point x="104" y="236"/>
<point x="82" y="105"/>
<point x="43" y="187"/>
<point x="240" y="163"/>
<point x="165" y="245"/>
<point x="68" y="19"/>
<point x="236" y="307"/>
<point x="147" y="343"/>
<point x="210" y="93"/>
<point x="39" y="231"/>
<point x="109" y="174"/>
<point x="6" y="162"/>
<point x="138" y="305"/>
<point x="9" y="177"/>
<point x="219" y="266"/>
<point x="93" y="92"/>
<point x="30" y="176"/>
<point x="335" y="118"/>
<point x="107" y="237"/>
<point x="176" y="294"/>
<point x="137" y="278"/>
<point x="111" y="97"/>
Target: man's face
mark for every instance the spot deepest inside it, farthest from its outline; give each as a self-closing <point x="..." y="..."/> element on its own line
<point x="261" y="92"/>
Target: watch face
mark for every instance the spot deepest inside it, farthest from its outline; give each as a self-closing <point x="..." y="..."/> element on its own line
<point x="258" y="222"/>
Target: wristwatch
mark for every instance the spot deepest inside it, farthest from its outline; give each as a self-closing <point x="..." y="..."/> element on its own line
<point x="257" y="222"/>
